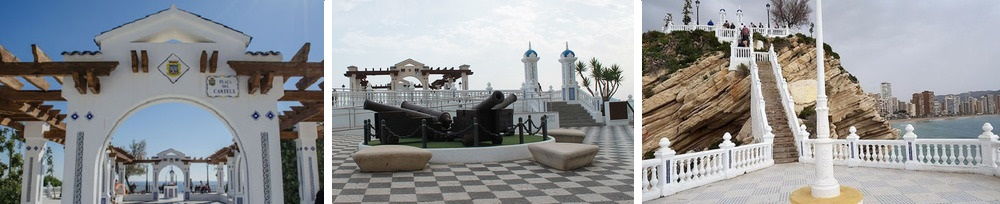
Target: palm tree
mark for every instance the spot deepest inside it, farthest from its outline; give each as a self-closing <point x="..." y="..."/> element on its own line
<point x="596" y="70"/>
<point x="580" y="69"/>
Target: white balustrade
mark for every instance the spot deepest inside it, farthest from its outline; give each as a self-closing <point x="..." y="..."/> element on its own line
<point x="948" y="155"/>
<point x="786" y="97"/>
<point x="669" y="173"/>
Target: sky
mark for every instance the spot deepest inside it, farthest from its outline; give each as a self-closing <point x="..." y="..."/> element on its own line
<point x="279" y="25"/>
<point x="948" y="47"/>
<point x="490" y="36"/>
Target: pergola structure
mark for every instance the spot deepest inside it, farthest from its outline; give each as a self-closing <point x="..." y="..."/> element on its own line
<point x="409" y="68"/>
<point x="147" y="62"/>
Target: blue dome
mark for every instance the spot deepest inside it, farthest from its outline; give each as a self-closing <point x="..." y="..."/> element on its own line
<point x="530" y="52"/>
<point x="567" y="53"/>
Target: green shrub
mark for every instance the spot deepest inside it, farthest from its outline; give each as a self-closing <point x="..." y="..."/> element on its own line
<point x="677" y="50"/>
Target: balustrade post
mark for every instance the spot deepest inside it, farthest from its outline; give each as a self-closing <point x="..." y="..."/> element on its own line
<point x="852" y="140"/>
<point x="665" y="154"/>
<point x="545" y="130"/>
<point x="911" y="148"/>
<point x="988" y="148"/>
<point x="805" y="150"/>
<point x="475" y="132"/>
<point x="727" y="159"/>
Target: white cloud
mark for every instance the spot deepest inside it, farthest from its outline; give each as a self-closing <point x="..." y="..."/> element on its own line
<point x="489" y="36"/>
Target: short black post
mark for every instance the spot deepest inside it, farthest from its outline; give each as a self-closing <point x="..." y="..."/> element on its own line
<point x="475" y="132"/>
<point x="383" y="135"/>
<point x="529" y="124"/>
<point x="545" y="128"/>
<point x="368" y="132"/>
<point x="423" y="133"/>
<point x="520" y="126"/>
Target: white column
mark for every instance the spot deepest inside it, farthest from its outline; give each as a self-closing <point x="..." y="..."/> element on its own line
<point x="825" y="185"/>
<point x="306" y="156"/>
<point x="569" y="87"/>
<point x="31" y="178"/>
<point x="987" y="139"/>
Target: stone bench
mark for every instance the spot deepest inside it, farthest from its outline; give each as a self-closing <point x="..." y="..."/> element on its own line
<point x="567" y="135"/>
<point x="391" y="158"/>
<point x="563" y="156"/>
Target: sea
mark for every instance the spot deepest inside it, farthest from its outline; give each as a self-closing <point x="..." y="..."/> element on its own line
<point x="960" y="127"/>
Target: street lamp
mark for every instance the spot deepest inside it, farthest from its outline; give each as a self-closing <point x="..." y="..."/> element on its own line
<point x="697" y="12"/>
<point x="768" y="5"/>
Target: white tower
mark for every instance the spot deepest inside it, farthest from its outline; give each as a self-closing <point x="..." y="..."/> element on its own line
<point x="530" y="61"/>
<point x="569" y="87"/>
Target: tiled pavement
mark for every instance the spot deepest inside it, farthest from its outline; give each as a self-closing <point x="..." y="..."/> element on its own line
<point x="773" y="184"/>
<point x="608" y="179"/>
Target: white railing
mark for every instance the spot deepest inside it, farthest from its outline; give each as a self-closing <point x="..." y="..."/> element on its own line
<point x="772" y="32"/>
<point x="592" y="104"/>
<point x="949" y="155"/>
<point x="728" y="34"/>
<point x="761" y="129"/>
<point x="786" y="96"/>
<point x="740" y="55"/>
<point x="669" y="173"/>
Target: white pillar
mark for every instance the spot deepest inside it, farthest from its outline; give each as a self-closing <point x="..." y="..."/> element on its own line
<point x="987" y="141"/>
<point x="569" y="85"/>
<point x="305" y="147"/>
<point x="530" y="60"/>
<point x="825" y="185"/>
<point x="31" y="178"/>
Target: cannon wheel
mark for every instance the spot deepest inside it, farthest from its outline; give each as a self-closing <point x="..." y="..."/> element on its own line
<point x="498" y="140"/>
<point x="467" y="140"/>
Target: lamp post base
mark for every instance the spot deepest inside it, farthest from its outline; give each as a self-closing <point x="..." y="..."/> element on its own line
<point x="847" y="195"/>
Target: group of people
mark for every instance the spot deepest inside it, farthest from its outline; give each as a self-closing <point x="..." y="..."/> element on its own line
<point x="202" y="188"/>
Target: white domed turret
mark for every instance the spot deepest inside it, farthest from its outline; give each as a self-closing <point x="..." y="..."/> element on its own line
<point x="530" y="61"/>
<point x="569" y="87"/>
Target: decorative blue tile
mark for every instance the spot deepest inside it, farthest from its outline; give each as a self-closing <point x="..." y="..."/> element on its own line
<point x="255" y="115"/>
<point x="270" y="115"/>
<point x="74" y="116"/>
<point x="90" y="116"/>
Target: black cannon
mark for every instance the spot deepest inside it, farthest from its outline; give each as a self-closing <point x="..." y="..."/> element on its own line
<point x="390" y="121"/>
<point x="491" y="115"/>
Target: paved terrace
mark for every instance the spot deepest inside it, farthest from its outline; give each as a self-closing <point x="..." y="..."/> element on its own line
<point x="607" y="180"/>
<point x="774" y="184"/>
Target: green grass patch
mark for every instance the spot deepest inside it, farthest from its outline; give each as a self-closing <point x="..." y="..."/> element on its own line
<point x="507" y="140"/>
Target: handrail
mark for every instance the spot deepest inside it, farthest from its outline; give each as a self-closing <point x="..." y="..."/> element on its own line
<point x="788" y="103"/>
<point x="761" y="129"/>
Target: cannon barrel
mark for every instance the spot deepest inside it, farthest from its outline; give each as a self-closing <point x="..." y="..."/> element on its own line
<point x="378" y="107"/>
<point x="443" y="117"/>
<point x="491" y="101"/>
<point x="510" y="99"/>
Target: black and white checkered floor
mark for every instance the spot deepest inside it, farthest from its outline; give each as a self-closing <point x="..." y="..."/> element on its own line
<point x="607" y="180"/>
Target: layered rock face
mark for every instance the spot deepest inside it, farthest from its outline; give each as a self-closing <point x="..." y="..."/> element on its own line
<point x="696" y="105"/>
<point x="849" y="105"/>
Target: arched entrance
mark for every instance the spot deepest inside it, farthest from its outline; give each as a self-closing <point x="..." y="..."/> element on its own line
<point x="169" y="56"/>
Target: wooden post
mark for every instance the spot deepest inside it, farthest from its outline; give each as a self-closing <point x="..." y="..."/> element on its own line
<point x="145" y="61"/>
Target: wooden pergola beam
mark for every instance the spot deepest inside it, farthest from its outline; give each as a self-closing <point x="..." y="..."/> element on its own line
<point x="40" y="57"/>
<point x="102" y="68"/>
<point x="32" y="95"/>
<point x="299" y="114"/>
<point x="302" y="96"/>
<point x="302" y="55"/>
<point x="9" y="81"/>
<point x="287" y="69"/>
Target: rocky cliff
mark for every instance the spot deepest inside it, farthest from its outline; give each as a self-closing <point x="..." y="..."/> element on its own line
<point x="695" y="105"/>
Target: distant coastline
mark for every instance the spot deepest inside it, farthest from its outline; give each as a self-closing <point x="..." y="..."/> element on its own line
<point x="939" y="118"/>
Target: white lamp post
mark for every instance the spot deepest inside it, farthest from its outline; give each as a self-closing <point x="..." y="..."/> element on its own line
<point x="825" y="188"/>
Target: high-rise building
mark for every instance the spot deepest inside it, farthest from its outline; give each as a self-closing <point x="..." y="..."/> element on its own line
<point x="924" y="102"/>
<point x="886" y="90"/>
<point x="949" y="105"/>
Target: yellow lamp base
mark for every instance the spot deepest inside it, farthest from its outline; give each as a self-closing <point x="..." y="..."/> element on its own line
<point x="847" y="195"/>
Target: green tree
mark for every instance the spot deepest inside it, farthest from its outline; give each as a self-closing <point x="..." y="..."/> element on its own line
<point x="137" y="150"/>
<point x="10" y="172"/>
<point x="686" y="12"/>
<point x="606" y="80"/>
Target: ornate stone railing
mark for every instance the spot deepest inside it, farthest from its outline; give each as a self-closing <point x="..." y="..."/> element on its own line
<point x="592" y="104"/>
<point x="669" y="173"/>
<point x="948" y="155"/>
<point x="786" y="96"/>
<point x="727" y="34"/>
